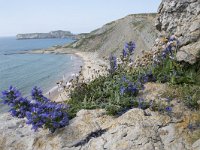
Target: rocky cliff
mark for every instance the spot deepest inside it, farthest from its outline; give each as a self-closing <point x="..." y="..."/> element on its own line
<point x="52" y="34"/>
<point x="112" y="36"/>
<point x="182" y="18"/>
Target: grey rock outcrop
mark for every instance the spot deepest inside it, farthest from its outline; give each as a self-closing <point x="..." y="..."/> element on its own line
<point x="182" y="18"/>
<point x="52" y="34"/>
<point x="94" y="130"/>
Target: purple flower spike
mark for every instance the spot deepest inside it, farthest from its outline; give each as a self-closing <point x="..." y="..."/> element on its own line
<point x="124" y="53"/>
<point x="130" y="46"/>
<point x="113" y="63"/>
<point x="168" y="109"/>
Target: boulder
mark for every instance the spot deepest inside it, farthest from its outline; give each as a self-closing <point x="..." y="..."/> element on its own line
<point x="182" y="18"/>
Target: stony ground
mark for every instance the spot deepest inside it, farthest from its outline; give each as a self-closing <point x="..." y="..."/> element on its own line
<point x="94" y="130"/>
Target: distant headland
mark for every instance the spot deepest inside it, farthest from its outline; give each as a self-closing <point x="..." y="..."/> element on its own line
<point x="52" y="34"/>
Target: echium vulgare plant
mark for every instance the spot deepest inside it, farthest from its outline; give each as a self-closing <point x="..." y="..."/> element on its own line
<point x="19" y="105"/>
<point x="40" y="112"/>
<point x="37" y="95"/>
<point x="113" y="63"/>
<point x="128" y="50"/>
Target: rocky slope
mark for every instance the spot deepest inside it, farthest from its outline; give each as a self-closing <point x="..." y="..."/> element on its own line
<point x="112" y="36"/>
<point x="52" y="34"/>
<point x="182" y="18"/>
<point x="136" y="129"/>
<point x="94" y="130"/>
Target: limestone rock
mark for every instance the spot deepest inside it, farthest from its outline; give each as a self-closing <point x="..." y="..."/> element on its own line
<point x="182" y="18"/>
<point x="196" y="145"/>
<point x="94" y="130"/>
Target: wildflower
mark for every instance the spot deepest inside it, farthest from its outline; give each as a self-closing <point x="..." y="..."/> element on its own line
<point x="132" y="89"/>
<point x="39" y="113"/>
<point x="191" y="127"/>
<point x="37" y="95"/>
<point x="10" y="95"/>
<point x="124" y="53"/>
<point x="124" y="79"/>
<point x="122" y="90"/>
<point x="50" y="115"/>
<point x="172" y="38"/>
<point x="18" y="104"/>
<point x="168" y="109"/>
<point x="130" y="46"/>
<point x="113" y="63"/>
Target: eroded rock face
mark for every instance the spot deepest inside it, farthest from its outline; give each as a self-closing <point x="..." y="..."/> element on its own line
<point x="94" y="130"/>
<point x="182" y="18"/>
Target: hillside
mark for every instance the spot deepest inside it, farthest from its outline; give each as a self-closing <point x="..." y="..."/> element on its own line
<point x="112" y="36"/>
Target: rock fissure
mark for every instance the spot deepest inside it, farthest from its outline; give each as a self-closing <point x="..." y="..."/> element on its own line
<point x="95" y="134"/>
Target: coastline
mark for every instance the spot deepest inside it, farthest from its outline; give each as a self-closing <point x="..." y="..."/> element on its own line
<point x="91" y="63"/>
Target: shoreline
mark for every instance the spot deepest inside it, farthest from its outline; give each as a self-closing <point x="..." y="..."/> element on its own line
<point x="91" y="63"/>
<point x="56" y="92"/>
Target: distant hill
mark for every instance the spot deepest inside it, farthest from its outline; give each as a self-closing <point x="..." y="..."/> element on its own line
<point x="112" y="36"/>
<point x="52" y="34"/>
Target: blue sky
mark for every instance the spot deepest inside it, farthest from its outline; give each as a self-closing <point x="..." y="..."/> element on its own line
<point x="78" y="16"/>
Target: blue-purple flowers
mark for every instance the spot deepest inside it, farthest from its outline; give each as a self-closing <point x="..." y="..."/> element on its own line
<point x="130" y="46"/>
<point x="168" y="109"/>
<point x="113" y="64"/>
<point x="124" y="53"/>
<point x="40" y="113"/>
<point x="19" y="105"/>
<point x="37" y="95"/>
<point x="48" y="115"/>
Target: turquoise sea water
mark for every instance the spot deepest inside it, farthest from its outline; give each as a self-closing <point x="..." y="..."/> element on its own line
<point x="27" y="70"/>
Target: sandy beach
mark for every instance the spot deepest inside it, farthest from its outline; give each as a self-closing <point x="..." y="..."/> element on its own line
<point x="92" y="63"/>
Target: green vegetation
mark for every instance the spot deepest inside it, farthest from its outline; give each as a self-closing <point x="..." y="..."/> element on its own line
<point x="189" y="94"/>
<point x="117" y="92"/>
<point x="183" y="79"/>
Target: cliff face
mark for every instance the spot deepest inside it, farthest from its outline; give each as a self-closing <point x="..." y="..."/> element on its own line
<point x="112" y="36"/>
<point x="52" y="34"/>
<point x="182" y="18"/>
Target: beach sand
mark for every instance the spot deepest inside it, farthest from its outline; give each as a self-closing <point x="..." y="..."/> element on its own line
<point x="91" y="63"/>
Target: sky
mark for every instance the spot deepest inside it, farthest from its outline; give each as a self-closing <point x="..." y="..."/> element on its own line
<point x="77" y="16"/>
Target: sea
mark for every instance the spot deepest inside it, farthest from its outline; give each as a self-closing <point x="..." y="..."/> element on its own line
<point x="24" y="71"/>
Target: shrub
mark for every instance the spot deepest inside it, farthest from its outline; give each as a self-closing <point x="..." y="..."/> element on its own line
<point x="117" y="92"/>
